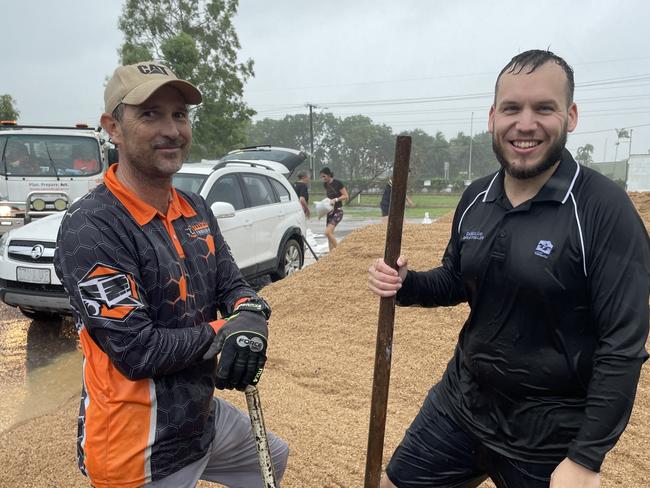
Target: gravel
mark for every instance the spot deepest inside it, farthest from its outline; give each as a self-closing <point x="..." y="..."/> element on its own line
<point x="317" y="386"/>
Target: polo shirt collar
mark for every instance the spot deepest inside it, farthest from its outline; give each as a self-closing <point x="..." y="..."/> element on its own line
<point x="141" y="211"/>
<point x="557" y="188"/>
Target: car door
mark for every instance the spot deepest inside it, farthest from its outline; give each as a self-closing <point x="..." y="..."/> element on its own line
<point x="268" y="216"/>
<point x="238" y="231"/>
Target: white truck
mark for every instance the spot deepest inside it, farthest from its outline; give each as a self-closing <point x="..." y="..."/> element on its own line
<point x="43" y="169"/>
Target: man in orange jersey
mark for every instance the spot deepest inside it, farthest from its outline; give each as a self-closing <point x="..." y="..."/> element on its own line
<point x="147" y="270"/>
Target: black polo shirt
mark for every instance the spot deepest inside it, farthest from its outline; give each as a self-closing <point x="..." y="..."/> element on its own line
<point x="302" y="190"/>
<point x="549" y="358"/>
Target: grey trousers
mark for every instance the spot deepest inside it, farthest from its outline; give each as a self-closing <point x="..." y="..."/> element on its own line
<point x="232" y="458"/>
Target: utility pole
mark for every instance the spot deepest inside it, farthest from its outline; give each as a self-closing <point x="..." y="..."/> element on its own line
<point x="629" y="151"/>
<point x="311" y="107"/>
<point x="629" y="157"/>
<point x="471" y="137"/>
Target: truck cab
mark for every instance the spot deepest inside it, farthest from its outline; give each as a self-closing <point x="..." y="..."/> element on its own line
<point x="43" y="169"/>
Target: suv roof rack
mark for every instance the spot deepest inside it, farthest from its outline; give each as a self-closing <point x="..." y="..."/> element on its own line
<point x="259" y="147"/>
<point x="253" y="164"/>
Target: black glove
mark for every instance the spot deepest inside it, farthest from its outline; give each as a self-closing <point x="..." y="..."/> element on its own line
<point x="241" y="339"/>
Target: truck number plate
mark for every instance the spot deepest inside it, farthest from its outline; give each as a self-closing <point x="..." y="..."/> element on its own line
<point x="33" y="275"/>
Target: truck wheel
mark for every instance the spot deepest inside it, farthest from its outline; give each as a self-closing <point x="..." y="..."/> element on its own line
<point x="290" y="259"/>
<point x="41" y="316"/>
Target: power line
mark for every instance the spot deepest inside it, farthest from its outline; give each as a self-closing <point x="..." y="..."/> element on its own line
<point x="426" y="78"/>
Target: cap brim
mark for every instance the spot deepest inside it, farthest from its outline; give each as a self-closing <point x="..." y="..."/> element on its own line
<point x="141" y="93"/>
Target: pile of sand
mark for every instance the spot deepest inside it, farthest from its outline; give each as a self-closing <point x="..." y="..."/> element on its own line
<point x="317" y="387"/>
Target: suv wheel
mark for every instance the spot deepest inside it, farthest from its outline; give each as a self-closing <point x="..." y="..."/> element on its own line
<point x="290" y="259"/>
<point x="41" y="316"/>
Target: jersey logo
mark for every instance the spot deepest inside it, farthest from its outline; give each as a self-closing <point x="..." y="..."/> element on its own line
<point x="544" y="249"/>
<point x="109" y="293"/>
<point x="473" y="235"/>
<point x="198" y="230"/>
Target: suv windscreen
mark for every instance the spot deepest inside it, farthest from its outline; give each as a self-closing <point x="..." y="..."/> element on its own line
<point x="189" y="182"/>
<point x="49" y="155"/>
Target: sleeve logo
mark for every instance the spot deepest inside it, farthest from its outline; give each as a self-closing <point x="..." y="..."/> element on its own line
<point x="109" y="293"/>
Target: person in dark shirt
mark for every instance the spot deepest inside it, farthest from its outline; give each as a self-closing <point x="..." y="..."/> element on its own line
<point x="302" y="190"/>
<point x="384" y="204"/>
<point x="337" y="193"/>
<point x="554" y="262"/>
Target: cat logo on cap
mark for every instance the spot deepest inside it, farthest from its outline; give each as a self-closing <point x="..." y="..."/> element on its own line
<point x="109" y="293"/>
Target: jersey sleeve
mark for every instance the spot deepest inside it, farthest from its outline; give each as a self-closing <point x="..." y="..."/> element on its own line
<point x="440" y="286"/>
<point x="618" y="271"/>
<point x="99" y="268"/>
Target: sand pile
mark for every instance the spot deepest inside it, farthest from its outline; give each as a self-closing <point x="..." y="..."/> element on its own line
<point x="317" y="386"/>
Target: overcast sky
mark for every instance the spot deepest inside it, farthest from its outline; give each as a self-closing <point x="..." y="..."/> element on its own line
<point x="390" y="60"/>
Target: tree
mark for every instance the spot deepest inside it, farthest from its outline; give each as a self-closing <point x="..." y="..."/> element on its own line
<point x="197" y="39"/>
<point x="584" y="154"/>
<point x="8" y="108"/>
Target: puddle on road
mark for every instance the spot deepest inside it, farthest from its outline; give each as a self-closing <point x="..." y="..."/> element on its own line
<point x="40" y="368"/>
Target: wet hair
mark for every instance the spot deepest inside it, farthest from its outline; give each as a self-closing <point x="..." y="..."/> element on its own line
<point x="327" y="171"/>
<point x="533" y="59"/>
<point x="301" y="174"/>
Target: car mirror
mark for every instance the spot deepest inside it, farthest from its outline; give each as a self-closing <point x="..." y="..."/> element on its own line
<point x="222" y="210"/>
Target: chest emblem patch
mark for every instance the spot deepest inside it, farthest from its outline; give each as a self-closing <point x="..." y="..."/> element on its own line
<point x="544" y="249"/>
<point x="198" y="230"/>
<point x="473" y="235"/>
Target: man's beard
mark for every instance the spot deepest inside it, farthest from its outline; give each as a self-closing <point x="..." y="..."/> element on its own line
<point x="552" y="156"/>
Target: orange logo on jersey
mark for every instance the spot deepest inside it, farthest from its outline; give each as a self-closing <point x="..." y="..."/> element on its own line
<point x="109" y="293"/>
<point x="198" y="230"/>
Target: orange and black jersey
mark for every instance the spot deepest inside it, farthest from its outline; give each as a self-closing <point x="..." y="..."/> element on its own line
<point x="144" y="287"/>
<point x="548" y="360"/>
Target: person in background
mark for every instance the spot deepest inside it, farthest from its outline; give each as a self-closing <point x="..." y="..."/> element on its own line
<point x="337" y="193"/>
<point x="19" y="161"/>
<point x="554" y="262"/>
<point x="163" y="313"/>
<point x="384" y="205"/>
<point x="302" y="190"/>
<point x="85" y="160"/>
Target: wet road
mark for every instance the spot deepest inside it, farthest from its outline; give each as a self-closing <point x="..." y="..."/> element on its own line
<point x="40" y="366"/>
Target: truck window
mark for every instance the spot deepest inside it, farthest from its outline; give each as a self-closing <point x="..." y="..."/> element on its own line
<point x="49" y="155"/>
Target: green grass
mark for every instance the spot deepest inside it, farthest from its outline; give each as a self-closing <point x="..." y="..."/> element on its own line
<point x="367" y="205"/>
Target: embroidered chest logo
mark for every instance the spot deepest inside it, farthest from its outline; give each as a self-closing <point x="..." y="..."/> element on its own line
<point x="544" y="249"/>
<point x="473" y="235"/>
<point x="198" y="230"/>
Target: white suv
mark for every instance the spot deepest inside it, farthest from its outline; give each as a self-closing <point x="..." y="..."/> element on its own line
<point x="256" y="207"/>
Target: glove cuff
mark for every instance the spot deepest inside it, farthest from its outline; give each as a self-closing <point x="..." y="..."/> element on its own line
<point x="258" y="305"/>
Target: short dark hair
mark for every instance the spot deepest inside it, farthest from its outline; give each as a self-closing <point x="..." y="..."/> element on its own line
<point x="118" y="113"/>
<point x="327" y="171"/>
<point x="301" y="174"/>
<point x="532" y="60"/>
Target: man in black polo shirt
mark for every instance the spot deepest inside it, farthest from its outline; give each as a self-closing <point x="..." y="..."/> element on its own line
<point x="554" y="262"/>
